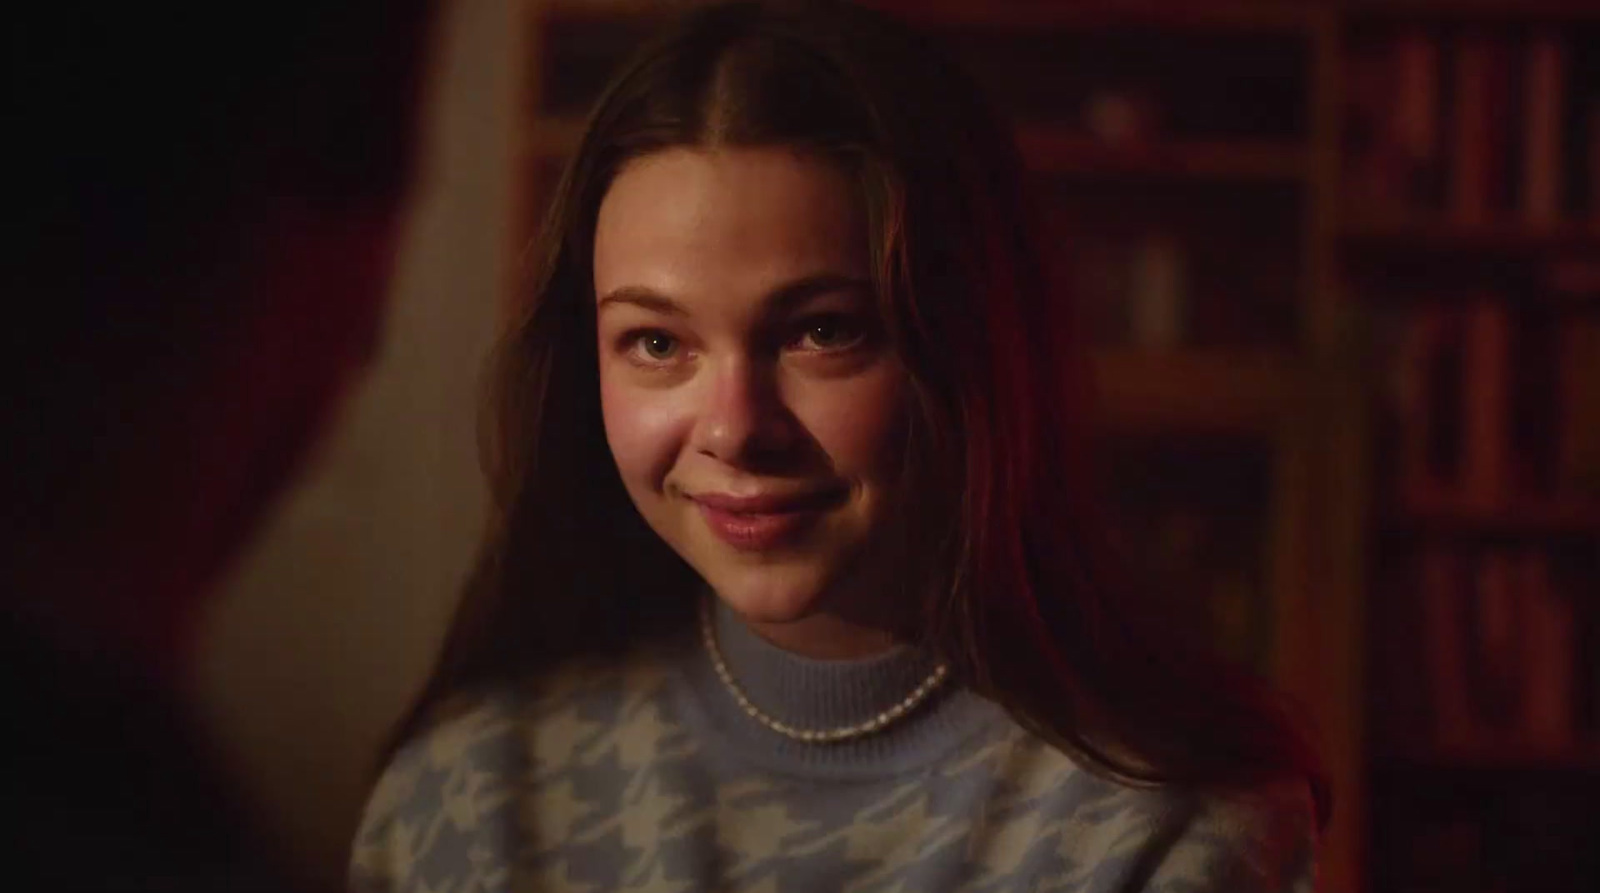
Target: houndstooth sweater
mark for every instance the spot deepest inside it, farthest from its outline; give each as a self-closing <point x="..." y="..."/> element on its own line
<point x="647" y="775"/>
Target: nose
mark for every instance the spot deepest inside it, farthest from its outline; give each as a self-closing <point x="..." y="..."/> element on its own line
<point x="743" y="418"/>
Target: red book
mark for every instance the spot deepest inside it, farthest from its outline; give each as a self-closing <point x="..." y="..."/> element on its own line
<point x="1497" y="659"/>
<point x="1415" y="367"/>
<point x="1482" y="128"/>
<point x="1414" y="124"/>
<point x="1548" y="644"/>
<point x="1579" y="449"/>
<point x="1543" y="94"/>
<point x="1444" y="646"/>
<point x="1486" y="377"/>
<point x="1594" y="162"/>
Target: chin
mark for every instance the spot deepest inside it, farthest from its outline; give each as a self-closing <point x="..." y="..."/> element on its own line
<point x="769" y="594"/>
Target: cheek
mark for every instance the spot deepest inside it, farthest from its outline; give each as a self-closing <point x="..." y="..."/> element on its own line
<point x="644" y="429"/>
<point x="860" y="425"/>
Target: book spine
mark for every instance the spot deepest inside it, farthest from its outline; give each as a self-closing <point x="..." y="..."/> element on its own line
<point x="1470" y="176"/>
<point x="1543" y="90"/>
<point x="1579" y="449"/>
<point x="1444" y="646"/>
<point x="1593" y="155"/>
<point x="1548" y="691"/>
<point x="1497" y="660"/>
<point x="1415" y="362"/>
<point x="1157" y="299"/>
<point x="1415" y="123"/>
<point x="1486" y="380"/>
<point x="1446" y="409"/>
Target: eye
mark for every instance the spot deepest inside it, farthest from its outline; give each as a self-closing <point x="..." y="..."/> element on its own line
<point x="831" y="332"/>
<point x="654" y="345"/>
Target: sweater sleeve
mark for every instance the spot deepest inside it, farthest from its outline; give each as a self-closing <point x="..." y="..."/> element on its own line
<point x="441" y="815"/>
<point x="1263" y="841"/>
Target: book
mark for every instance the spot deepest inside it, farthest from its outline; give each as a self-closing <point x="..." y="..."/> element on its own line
<point x="1415" y="120"/>
<point x="1496" y="659"/>
<point x="1444" y="640"/>
<point x="1485" y="403"/>
<point x="1481" y="130"/>
<point x="1157" y="303"/>
<point x="1543" y="105"/>
<point x="1549" y="636"/>
<point x="1444" y="422"/>
<point x="1579" y="449"/>
<point x="1593" y="162"/>
<point x="1534" y="397"/>
<point x="1369" y="174"/>
<point x="1413" y="369"/>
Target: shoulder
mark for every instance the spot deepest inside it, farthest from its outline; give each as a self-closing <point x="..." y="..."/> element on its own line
<point x="440" y="803"/>
<point x="1113" y="835"/>
<point x="1260" y="839"/>
<point x="444" y="812"/>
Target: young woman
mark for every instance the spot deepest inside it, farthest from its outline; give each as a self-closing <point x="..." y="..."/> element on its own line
<point x="795" y="580"/>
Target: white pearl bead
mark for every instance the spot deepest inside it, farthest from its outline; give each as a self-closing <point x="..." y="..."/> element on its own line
<point x="918" y="694"/>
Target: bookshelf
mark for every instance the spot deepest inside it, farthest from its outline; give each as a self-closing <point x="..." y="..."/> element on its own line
<point x="1225" y="392"/>
<point x="1061" y="150"/>
<point x="1528" y="519"/>
<point x="1388" y="235"/>
<point x="1253" y="240"/>
<point x="1469" y="146"/>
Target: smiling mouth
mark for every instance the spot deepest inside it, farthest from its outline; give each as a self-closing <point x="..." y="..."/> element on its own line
<point x="764" y="521"/>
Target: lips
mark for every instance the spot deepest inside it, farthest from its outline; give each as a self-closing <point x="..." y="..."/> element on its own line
<point x="763" y="521"/>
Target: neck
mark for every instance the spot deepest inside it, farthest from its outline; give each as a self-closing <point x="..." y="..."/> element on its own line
<point x="813" y="694"/>
<point x="826" y="637"/>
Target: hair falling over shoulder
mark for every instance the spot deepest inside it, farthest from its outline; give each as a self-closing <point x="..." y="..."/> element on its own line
<point x="1019" y="588"/>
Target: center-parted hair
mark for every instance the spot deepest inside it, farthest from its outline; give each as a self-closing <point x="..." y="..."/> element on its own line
<point x="1009" y="571"/>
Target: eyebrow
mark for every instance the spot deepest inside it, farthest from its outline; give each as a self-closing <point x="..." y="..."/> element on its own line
<point x="777" y="302"/>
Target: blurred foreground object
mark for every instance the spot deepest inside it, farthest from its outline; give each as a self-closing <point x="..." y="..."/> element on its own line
<point x="211" y="203"/>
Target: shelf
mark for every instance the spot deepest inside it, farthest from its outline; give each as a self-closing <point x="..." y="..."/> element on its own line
<point x="1466" y="10"/>
<point x="1193" y="391"/>
<point x="1523" y="519"/>
<point x="1204" y="14"/>
<point x="1061" y="150"/>
<point x="1493" y="755"/>
<point x="1435" y="236"/>
<point x="1233" y="15"/>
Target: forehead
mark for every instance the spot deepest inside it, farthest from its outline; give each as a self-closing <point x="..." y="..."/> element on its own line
<point x="689" y="220"/>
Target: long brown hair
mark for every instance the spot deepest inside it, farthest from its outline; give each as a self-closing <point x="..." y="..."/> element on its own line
<point x="1022" y="593"/>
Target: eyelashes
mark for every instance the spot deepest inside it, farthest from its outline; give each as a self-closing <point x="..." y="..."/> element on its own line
<point x="655" y="344"/>
<point x="833" y="332"/>
<point x="821" y="335"/>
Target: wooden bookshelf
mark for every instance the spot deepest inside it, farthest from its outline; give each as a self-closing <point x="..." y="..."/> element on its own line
<point x="1195" y="392"/>
<point x="1480" y="11"/>
<point x="1525" y="519"/>
<point x="1499" y="754"/>
<point x="1228" y="15"/>
<point x="1433" y="236"/>
<point x="1065" y="151"/>
<point x="1062" y="150"/>
<point x="1482" y="223"/>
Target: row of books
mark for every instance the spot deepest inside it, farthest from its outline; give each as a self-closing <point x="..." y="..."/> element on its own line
<point x="1502" y="659"/>
<point x="1476" y="126"/>
<point x="1492" y="404"/>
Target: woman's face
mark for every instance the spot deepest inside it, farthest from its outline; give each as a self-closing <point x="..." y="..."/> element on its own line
<point x="751" y="403"/>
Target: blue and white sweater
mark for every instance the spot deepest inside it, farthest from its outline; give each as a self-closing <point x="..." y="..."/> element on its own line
<point x="647" y="775"/>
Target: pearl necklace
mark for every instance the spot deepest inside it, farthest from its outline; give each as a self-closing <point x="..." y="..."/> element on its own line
<point x="812" y="736"/>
